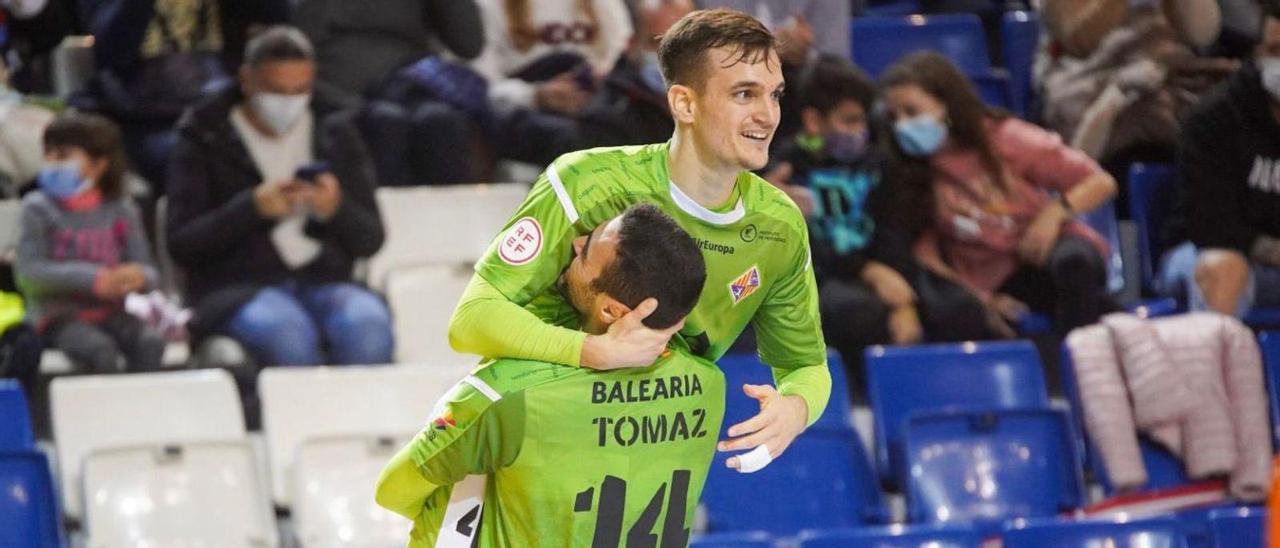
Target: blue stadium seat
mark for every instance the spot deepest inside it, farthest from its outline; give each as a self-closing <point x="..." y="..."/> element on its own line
<point x="994" y="89"/>
<point x="987" y="466"/>
<point x="823" y="480"/>
<point x="15" y="419"/>
<point x="1020" y="35"/>
<point x="1163" y="468"/>
<point x="740" y="369"/>
<point x="1150" y="533"/>
<point x="28" y="510"/>
<point x="750" y="539"/>
<point x="1269" y="343"/>
<point x="902" y="381"/>
<point x="1239" y="526"/>
<point x="1103" y="220"/>
<point x="878" y="42"/>
<point x="893" y="536"/>
<point x="1151" y="193"/>
<point x="892" y="8"/>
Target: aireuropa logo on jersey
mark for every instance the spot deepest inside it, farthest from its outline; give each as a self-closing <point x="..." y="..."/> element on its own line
<point x="708" y="245"/>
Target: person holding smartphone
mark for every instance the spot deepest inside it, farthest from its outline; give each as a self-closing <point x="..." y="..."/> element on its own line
<point x="271" y="202"/>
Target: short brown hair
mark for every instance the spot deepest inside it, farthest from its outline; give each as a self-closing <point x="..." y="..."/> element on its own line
<point x="99" y="137"/>
<point x="682" y="52"/>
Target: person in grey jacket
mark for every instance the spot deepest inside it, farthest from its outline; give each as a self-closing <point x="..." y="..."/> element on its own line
<point x="82" y="250"/>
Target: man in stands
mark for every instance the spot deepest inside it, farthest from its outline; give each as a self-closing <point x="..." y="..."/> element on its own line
<point x="576" y="454"/>
<point x="270" y="204"/>
<point x="724" y="82"/>
<point x="1230" y="164"/>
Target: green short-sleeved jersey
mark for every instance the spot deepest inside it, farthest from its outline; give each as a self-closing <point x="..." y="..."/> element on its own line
<point x="757" y="251"/>
<point x="569" y="457"/>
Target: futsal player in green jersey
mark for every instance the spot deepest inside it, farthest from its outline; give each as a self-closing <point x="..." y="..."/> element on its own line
<point x="724" y="84"/>
<point x="575" y="457"/>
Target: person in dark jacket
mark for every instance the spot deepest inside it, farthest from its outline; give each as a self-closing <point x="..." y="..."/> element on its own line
<point x="155" y="57"/>
<point x="1229" y="160"/>
<point x="631" y="107"/>
<point x="271" y="201"/>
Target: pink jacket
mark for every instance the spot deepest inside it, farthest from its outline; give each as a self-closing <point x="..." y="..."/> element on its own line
<point x="1196" y="386"/>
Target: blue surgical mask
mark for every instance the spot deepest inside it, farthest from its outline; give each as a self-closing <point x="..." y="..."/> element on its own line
<point x="844" y="147"/>
<point x="62" y="180"/>
<point x="651" y="72"/>
<point x="920" y="136"/>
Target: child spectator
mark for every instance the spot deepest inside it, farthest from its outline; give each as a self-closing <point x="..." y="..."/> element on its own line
<point x="82" y="250"/>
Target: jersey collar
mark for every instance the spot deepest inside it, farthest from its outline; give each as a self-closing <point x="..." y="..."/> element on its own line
<point x="688" y="205"/>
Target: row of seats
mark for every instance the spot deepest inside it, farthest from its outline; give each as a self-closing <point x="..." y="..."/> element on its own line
<point x="879" y="42"/>
<point x="163" y="459"/>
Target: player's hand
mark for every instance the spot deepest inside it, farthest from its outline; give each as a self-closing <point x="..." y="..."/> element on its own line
<point x="628" y="342"/>
<point x="780" y="420"/>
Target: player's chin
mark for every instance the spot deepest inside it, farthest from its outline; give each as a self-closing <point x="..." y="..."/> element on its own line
<point x="752" y="160"/>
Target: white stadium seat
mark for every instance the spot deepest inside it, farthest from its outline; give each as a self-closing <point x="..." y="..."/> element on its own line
<point x="334" y="482"/>
<point x="301" y="404"/>
<point x="189" y="496"/>
<point x="440" y="224"/>
<point x="422" y="300"/>
<point x="92" y="413"/>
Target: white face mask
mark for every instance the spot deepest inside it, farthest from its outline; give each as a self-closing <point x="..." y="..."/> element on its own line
<point x="280" y="112"/>
<point x="1270" y="69"/>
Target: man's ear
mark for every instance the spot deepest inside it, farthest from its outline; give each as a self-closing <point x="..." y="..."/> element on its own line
<point x="681" y="100"/>
<point x="612" y="310"/>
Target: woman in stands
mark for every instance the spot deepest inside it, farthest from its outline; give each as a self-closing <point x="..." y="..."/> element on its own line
<point x="997" y="199"/>
<point x="544" y="63"/>
<point x="82" y="250"/>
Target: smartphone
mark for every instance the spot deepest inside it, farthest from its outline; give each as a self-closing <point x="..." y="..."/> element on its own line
<point x="311" y="171"/>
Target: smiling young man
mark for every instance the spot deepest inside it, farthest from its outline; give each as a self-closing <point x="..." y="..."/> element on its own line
<point x="724" y="83"/>
<point x="525" y="453"/>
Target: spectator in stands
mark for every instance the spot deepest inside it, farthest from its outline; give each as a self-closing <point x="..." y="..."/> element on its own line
<point x="156" y="57"/>
<point x="1230" y="165"/>
<point x="998" y="197"/>
<point x="806" y="29"/>
<point x="1124" y="73"/>
<point x="271" y="201"/>
<point x="363" y="48"/>
<point x="82" y="250"/>
<point x="544" y="66"/>
<point x="631" y="108"/>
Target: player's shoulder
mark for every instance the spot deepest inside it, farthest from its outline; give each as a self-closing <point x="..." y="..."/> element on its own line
<point x="593" y="166"/>
<point x="507" y="376"/>
<point x="770" y="201"/>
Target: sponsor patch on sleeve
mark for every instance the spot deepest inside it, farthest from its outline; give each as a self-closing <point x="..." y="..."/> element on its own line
<point x="522" y="242"/>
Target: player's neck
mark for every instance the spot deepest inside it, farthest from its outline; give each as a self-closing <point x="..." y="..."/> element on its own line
<point x="699" y="175"/>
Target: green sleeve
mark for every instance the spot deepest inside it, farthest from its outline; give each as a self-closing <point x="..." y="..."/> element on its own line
<point x="469" y="433"/>
<point x="789" y="334"/>
<point x="487" y="324"/>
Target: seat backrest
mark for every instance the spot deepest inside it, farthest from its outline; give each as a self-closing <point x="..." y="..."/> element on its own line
<point x="1164" y="469"/>
<point x="1151" y="201"/>
<point x="202" y="494"/>
<point x="101" y="412"/>
<point x="15" y="419"/>
<point x="1103" y="220"/>
<point x="754" y="539"/>
<point x="1239" y="526"/>
<point x="28" y="507"/>
<point x="440" y="224"/>
<point x="823" y="480"/>
<point x="741" y="368"/>
<point x="878" y="42"/>
<point x="994" y="89"/>
<point x="989" y="466"/>
<point x="300" y="404"/>
<point x="1152" y="533"/>
<point x="422" y="299"/>
<point x="895" y="536"/>
<point x="333" y="495"/>
<point x="10" y="227"/>
<point x="906" y="380"/>
<point x="1020" y="36"/>
<point x="1269" y="344"/>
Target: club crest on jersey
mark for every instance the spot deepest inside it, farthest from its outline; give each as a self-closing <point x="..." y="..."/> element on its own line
<point x="522" y="242"/>
<point x="744" y="285"/>
<point x="444" y="421"/>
